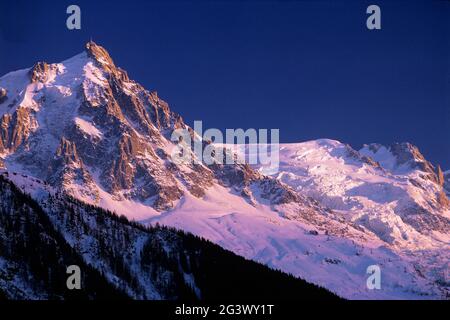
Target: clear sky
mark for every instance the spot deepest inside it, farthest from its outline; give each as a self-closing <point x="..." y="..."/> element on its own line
<point x="310" y="68"/>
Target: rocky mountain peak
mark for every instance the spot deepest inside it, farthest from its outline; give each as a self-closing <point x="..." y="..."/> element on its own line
<point x="113" y="128"/>
<point x="100" y="55"/>
<point x="39" y="72"/>
<point x="401" y="156"/>
<point x="410" y="155"/>
<point x="406" y="152"/>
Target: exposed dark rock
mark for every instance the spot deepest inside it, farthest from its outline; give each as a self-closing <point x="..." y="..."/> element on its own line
<point x="332" y="261"/>
<point x="68" y="171"/>
<point x="352" y="153"/>
<point x="14" y="129"/>
<point x="277" y="192"/>
<point x="39" y="72"/>
<point x="67" y="151"/>
<point x="3" y="95"/>
<point x="442" y="199"/>
<point x="440" y="176"/>
<point x="424" y="221"/>
<point x="447" y="182"/>
<point x="406" y="153"/>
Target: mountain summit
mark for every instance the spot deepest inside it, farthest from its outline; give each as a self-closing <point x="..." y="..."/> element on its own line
<point x="84" y="126"/>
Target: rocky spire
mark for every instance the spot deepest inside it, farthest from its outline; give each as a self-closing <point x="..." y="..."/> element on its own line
<point x="39" y="72"/>
<point x="440" y="176"/>
<point x="3" y="95"/>
<point x="442" y="197"/>
<point x="407" y="153"/>
<point x="67" y="150"/>
<point x="99" y="54"/>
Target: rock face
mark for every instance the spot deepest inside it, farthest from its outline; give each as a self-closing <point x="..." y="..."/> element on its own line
<point x="68" y="171"/>
<point x="3" y="95"/>
<point x="442" y="197"/>
<point x="440" y="176"/>
<point x="405" y="158"/>
<point x="447" y="182"/>
<point x="39" y="72"/>
<point x="15" y="129"/>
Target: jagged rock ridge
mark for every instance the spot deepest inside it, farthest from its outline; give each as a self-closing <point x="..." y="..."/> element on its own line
<point x="112" y="135"/>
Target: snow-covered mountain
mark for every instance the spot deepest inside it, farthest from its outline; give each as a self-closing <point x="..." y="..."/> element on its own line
<point x="84" y="126"/>
<point x="86" y="129"/>
<point x="393" y="192"/>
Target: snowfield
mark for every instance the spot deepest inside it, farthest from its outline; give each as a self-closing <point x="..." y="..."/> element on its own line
<point x="337" y="263"/>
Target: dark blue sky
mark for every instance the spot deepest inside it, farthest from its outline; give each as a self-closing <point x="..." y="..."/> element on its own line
<point x="310" y="68"/>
